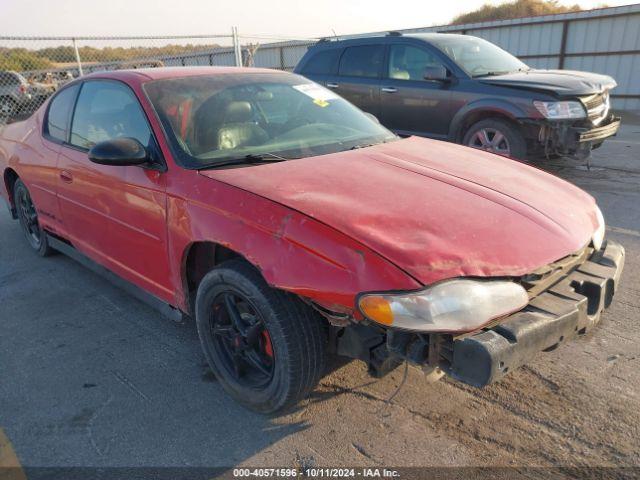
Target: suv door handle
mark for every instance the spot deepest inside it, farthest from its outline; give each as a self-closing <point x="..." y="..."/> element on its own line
<point x="389" y="89"/>
<point x="66" y="176"/>
<point x="332" y="85"/>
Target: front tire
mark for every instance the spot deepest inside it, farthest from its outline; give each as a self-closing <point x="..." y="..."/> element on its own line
<point x="496" y="136"/>
<point x="265" y="346"/>
<point x="28" y="217"/>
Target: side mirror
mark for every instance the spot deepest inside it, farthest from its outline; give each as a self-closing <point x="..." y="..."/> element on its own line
<point x="119" y="152"/>
<point x="436" y="73"/>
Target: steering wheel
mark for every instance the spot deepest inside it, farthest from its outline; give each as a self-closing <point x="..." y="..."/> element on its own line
<point x="299" y="118"/>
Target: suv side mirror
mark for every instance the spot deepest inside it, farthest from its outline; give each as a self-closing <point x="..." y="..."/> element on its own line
<point x="119" y="152"/>
<point x="436" y="73"/>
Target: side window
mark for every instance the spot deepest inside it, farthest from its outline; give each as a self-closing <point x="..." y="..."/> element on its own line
<point x="365" y="61"/>
<point x="57" y="122"/>
<point x="323" y="62"/>
<point x="106" y="110"/>
<point x="408" y="63"/>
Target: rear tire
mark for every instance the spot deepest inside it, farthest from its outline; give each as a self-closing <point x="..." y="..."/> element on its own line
<point x="28" y="217"/>
<point x="496" y="136"/>
<point x="274" y="353"/>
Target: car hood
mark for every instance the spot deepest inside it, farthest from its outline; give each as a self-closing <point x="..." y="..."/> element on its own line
<point x="559" y="82"/>
<point x="434" y="209"/>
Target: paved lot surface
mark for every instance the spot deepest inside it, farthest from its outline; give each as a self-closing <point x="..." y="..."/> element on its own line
<point x="89" y="376"/>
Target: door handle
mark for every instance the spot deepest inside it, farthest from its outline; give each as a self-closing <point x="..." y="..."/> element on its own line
<point x="66" y="176"/>
<point x="332" y="85"/>
<point x="389" y="89"/>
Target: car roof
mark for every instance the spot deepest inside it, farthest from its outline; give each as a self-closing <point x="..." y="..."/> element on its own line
<point x="162" y="73"/>
<point x="389" y="37"/>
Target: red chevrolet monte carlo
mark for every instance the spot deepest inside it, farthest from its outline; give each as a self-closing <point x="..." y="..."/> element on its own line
<point x="292" y="225"/>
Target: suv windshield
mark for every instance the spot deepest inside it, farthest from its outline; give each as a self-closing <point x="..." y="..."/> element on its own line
<point x="476" y="56"/>
<point x="215" y="119"/>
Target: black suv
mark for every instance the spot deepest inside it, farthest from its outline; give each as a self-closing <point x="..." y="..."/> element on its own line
<point x="466" y="90"/>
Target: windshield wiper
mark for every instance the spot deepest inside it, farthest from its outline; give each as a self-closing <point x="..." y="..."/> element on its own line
<point x="366" y="145"/>
<point x="492" y="74"/>
<point x="501" y="72"/>
<point x="362" y="145"/>
<point x="264" y="157"/>
<point x="249" y="159"/>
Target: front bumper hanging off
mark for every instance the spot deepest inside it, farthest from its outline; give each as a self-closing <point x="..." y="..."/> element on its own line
<point x="569" y="138"/>
<point x="570" y="307"/>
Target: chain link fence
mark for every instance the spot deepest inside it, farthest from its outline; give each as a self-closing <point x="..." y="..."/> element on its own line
<point x="33" y="68"/>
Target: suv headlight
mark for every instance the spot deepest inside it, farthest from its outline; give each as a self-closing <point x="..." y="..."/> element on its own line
<point x="598" y="236"/>
<point x="459" y="305"/>
<point x="560" y="110"/>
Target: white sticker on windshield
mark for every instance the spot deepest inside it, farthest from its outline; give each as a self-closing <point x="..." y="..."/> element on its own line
<point x="316" y="92"/>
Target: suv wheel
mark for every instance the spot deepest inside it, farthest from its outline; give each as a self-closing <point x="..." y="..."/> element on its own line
<point x="28" y="217"/>
<point x="496" y="136"/>
<point x="266" y="347"/>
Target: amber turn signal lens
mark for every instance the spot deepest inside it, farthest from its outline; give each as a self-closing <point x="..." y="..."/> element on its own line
<point x="377" y="309"/>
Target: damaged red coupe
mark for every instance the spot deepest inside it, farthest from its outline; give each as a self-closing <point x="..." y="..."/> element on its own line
<point x="292" y="226"/>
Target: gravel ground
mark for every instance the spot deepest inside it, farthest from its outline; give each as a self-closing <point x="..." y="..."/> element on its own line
<point x="92" y="377"/>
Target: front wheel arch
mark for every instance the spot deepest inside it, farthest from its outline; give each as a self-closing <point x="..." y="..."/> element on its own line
<point x="10" y="178"/>
<point x="480" y="109"/>
<point x="476" y="116"/>
<point x="198" y="259"/>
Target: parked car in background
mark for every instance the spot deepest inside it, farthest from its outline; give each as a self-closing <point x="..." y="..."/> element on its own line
<point x="291" y="225"/>
<point x="18" y="97"/>
<point x="467" y="90"/>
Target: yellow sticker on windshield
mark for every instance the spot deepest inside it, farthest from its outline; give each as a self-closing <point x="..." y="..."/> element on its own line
<point x="317" y="93"/>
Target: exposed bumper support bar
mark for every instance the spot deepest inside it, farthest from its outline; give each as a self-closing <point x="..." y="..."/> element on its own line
<point x="599" y="133"/>
<point x="570" y="307"/>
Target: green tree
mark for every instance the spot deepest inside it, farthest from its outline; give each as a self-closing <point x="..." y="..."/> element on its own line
<point x="515" y="9"/>
<point x="21" y="59"/>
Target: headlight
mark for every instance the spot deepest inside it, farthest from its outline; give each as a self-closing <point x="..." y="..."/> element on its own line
<point x="598" y="236"/>
<point x="460" y="305"/>
<point x="560" y="110"/>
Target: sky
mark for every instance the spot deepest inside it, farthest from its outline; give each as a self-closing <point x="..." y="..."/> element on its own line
<point x="278" y="18"/>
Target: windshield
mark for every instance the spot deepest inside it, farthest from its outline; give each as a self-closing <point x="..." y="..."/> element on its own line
<point x="215" y="119"/>
<point x="476" y="56"/>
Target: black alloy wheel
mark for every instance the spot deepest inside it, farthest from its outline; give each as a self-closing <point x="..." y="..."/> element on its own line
<point x="242" y="343"/>
<point x="266" y="347"/>
<point x="28" y="217"/>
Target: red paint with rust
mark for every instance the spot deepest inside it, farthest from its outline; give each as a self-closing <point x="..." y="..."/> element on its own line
<point x="395" y="216"/>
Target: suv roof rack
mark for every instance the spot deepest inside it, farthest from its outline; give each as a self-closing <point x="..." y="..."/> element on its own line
<point x="394" y="33"/>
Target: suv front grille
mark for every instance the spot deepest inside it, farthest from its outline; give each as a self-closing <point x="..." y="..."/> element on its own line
<point x="597" y="106"/>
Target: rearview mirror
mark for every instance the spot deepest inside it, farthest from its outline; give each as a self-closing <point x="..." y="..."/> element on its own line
<point x="436" y="73"/>
<point x="119" y="152"/>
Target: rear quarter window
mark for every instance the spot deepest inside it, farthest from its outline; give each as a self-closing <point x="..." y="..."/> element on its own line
<point x="57" y="123"/>
<point x="323" y="62"/>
